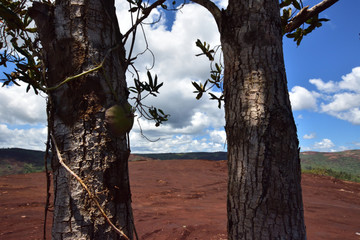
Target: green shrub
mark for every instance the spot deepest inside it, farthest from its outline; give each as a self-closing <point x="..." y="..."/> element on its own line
<point x="332" y="173"/>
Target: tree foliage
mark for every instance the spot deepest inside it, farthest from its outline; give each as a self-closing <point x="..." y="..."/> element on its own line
<point x="19" y="46"/>
<point x="291" y="11"/>
<point x="21" y="53"/>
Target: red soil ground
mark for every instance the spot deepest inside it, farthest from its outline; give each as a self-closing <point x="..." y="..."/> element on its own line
<point x="184" y="199"/>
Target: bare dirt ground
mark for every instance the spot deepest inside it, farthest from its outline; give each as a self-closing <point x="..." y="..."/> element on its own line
<point x="183" y="199"/>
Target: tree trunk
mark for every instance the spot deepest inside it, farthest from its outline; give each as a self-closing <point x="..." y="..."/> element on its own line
<point x="264" y="191"/>
<point x="76" y="36"/>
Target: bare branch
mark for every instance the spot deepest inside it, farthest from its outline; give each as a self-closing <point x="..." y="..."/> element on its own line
<point x="305" y="14"/>
<point x="212" y="8"/>
<point x="146" y="12"/>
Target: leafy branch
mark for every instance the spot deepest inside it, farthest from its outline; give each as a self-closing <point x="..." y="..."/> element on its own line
<point x="140" y="10"/>
<point x="305" y="21"/>
<point x="18" y="44"/>
<point x="151" y="87"/>
<point x="216" y="74"/>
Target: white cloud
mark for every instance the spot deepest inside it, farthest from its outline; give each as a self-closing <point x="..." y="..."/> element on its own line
<point x="32" y="138"/>
<point x="324" y="145"/>
<point x="351" y="81"/>
<point x="193" y="125"/>
<point x="301" y="98"/>
<point x="309" y="136"/>
<point x="22" y="118"/>
<point x="352" y="115"/>
<point x="342" y="102"/>
<point x="343" y="148"/>
<point x="174" y="143"/>
<point x="345" y="104"/>
<point x="218" y="136"/>
<point x="191" y="122"/>
<point x="339" y="99"/>
<point x="21" y="107"/>
<point x="325" y="87"/>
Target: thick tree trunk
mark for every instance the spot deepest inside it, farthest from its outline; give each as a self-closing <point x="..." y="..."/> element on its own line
<point x="76" y="36"/>
<point x="264" y="191"/>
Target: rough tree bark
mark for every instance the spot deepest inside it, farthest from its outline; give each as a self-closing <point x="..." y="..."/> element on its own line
<point x="264" y="189"/>
<point x="76" y="36"/>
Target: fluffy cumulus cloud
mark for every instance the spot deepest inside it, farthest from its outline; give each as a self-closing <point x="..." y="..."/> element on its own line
<point x="351" y="81"/>
<point x="194" y="125"/>
<point x="301" y="98"/>
<point x="21" y="107"/>
<point x="28" y="138"/>
<point x="22" y="118"/>
<point x="325" y="87"/>
<point x="340" y="99"/>
<point x="325" y="145"/>
<point x="345" y="102"/>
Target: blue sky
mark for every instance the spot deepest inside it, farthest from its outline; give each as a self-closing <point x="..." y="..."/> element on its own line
<point x="329" y="53"/>
<point x="323" y="81"/>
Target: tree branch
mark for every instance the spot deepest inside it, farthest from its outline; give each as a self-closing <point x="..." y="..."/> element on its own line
<point x="306" y="14"/>
<point x="212" y="8"/>
<point x="146" y="12"/>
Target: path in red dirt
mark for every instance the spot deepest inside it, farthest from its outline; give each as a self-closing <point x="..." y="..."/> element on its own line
<point x="184" y="199"/>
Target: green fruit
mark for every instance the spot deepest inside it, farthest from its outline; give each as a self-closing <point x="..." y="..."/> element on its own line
<point x="119" y="119"/>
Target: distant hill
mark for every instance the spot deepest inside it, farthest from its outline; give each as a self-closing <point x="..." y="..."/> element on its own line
<point x="215" y="156"/>
<point x="17" y="161"/>
<point x="343" y="165"/>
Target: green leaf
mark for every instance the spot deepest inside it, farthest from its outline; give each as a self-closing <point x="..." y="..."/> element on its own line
<point x="196" y="86"/>
<point x="219" y="99"/>
<point x="285" y="3"/>
<point x="150" y="79"/>
<point x="155" y="81"/>
<point x="159" y="86"/>
<point x="286" y="13"/>
<point x="11" y="18"/>
<point x="296" y="4"/>
<point x="218" y="68"/>
<point x="213" y="76"/>
<point x="133" y="9"/>
<point x="290" y="35"/>
<point x="31" y="30"/>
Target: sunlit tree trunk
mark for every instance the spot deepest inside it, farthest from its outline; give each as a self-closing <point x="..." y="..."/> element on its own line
<point x="264" y="191"/>
<point x="76" y="36"/>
